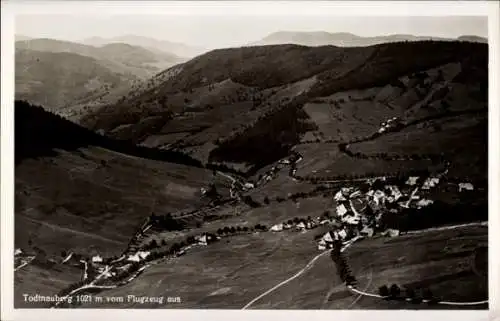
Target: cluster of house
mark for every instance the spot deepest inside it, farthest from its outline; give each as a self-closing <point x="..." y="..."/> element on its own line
<point x="288" y="161"/>
<point x="389" y="124"/>
<point x="360" y="212"/>
<point x="301" y="225"/>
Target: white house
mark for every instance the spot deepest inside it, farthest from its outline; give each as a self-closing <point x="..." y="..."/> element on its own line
<point x="430" y="182"/>
<point x="395" y="192"/>
<point x="97" y="259"/>
<point x="341" y="210"/>
<point x="138" y="256"/>
<point x="18" y="251"/>
<point x="277" y="227"/>
<point x="203" y="240"/>
<point x="342" y="234"/>
<point x="465" y="186"/>
<point x="339" y="197"/>
<point x="328" y="237"/>
<point x="301" y="226"/>
<point x="379" y="197"/>
<point x="352" y="219"/>
<point x="249" y="186"/>
<point x="412" y="180"/>
<point x="322" y="245"/>
<point x="424" y="202"/>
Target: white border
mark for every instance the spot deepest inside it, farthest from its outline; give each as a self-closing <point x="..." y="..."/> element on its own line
<point x="337" y="8"/>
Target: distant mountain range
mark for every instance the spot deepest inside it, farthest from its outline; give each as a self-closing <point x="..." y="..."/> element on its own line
<point x="120" y="57"/>
<point x="154" y="45"/>
<point x="59" y="74"/>
<point x="344" y="39"/>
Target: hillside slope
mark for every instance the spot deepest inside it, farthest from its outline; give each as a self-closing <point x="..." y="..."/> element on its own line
<point x="287" y="94"/>
<point x="57" y="80"/>
<point x="73" y="78"/>
<point x="78" y="191"/>
<point x="120" y="57"/>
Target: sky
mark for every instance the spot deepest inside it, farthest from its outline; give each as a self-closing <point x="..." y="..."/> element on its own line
<point x="224" y="30"/>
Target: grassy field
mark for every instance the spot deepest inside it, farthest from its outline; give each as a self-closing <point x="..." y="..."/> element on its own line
<point x="463" y="140"/>
<point x="439" y="260"/>
<point x="94" y="200"/>
<point x="235" y="271"/>
<point x="33" y="279"/>
<point x="326" y="160"/>
<point x="227" y="274"/>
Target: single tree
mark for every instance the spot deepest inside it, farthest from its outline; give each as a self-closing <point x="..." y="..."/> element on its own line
<point x="395" y="291"/>
<point x="383" y="291"/>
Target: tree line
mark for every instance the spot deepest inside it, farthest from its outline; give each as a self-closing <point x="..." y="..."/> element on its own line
<point x="38" y="132"/>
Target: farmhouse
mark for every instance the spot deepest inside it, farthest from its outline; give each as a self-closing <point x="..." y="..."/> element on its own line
<point x="412" y="180"/>
<point x="97" y="259"/>
<point x="277" y="228"/>
<point x="341" y="210"/>
<point x="430" y="182"/>
<point x="202" y="240"/>
<point x="138" y="256"/>
<point x="249" y="186"/>
<point x="395" y="192"/>
<point x="342" y="234"/>
<point x="424" y="202"/>
<point x="352" y="219"/>
<point x="301" y="226"/>
<point x="465" y="186"/>
<point x="379" y="197"/>
<point x="322" y="245"/>
<point x="339" y="197"/>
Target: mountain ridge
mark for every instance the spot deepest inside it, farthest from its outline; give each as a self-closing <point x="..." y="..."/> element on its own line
<point x="322" y="38"/>
<point x="176" y="48"/>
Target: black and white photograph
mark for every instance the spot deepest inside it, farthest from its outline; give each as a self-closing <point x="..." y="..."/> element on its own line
<point x="249" y="160"/>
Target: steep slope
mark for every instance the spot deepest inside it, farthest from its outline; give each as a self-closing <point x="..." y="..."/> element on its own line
<point x="78" y="191"/>
<point x="288" y="93"/>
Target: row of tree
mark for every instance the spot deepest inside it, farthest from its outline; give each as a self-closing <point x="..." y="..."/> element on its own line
<point x="394" y="292"/>
<point x="341" y="265"/>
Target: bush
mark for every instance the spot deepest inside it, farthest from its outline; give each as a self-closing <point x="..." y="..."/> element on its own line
<point x="383" y="291"/>
<point x="395" y="291"/>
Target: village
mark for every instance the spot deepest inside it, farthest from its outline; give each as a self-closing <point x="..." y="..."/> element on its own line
<point x="358" y="212"/>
